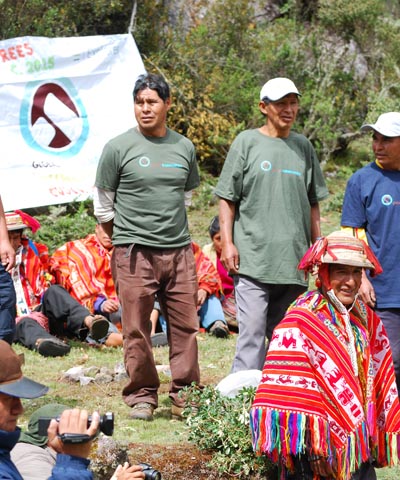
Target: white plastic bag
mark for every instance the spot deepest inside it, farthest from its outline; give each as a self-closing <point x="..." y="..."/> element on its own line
<point x="231" y="385"/>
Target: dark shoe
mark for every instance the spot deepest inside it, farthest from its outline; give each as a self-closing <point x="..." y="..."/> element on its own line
<point x="159" y="339"/>
<point x="52" y="347"/>
<point x="142" y="411"/>
<point x="219" y="329"/>
<point x="99" y="327"/>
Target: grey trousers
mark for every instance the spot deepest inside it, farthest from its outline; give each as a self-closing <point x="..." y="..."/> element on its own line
<point x="260" y="307"/>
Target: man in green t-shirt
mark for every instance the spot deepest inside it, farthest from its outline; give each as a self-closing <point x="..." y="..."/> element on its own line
<point x="269" y="190"/>
<point x="143" y="178"/>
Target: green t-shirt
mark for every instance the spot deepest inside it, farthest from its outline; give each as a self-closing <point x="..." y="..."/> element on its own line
<point x="273" y="182"/>
<point x="149" y="177"/>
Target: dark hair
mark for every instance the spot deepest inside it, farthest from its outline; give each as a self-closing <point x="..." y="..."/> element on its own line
<point x="154" y="82"/>
<point x="213" y="229"/>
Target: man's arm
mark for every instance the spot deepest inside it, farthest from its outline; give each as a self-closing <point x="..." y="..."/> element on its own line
<point x="7" y="252"/>
<point x="229" y="254"/>
<point x="72" y="458"/>
<point x="103" y="202"/>
<point x="315" y="222"/>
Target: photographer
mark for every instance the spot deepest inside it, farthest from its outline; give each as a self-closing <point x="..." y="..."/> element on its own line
<point x="71" y="462"/>
<point x="35" y="454"/>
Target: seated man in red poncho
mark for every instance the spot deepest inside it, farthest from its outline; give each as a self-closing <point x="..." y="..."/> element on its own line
<point x="327" y="405"/>
<point x="45" y="311"/>
<point x="83" y="268"/>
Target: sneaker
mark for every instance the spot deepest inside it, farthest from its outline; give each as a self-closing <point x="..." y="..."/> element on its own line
<point x="142" y="411"/>
<point x="52" y="347"/>
<point x="219" y="329"/>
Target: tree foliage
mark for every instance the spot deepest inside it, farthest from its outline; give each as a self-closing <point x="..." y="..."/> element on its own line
<point x="343" y="56"/>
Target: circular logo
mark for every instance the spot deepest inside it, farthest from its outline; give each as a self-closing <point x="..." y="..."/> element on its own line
<point x="387" y="200"/>
<point x="53" y="118"/>
<point x="266" y="166"/>
<point x="144" y="162"/>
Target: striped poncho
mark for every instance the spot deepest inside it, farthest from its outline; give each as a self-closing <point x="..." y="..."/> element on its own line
<point x="83" y="268"/>
<point x="311" y="402"/>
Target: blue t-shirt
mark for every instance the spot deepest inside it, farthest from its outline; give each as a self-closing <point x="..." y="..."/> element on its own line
<point x="372" y="202"/>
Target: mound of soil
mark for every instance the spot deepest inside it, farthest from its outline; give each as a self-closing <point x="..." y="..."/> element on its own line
<point x="175" y="462"/>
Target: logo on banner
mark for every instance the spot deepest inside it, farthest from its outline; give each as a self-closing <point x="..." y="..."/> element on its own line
<point x="53" y="118"/>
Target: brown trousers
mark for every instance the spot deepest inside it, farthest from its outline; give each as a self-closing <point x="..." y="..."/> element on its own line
<point x="139" y="274"/>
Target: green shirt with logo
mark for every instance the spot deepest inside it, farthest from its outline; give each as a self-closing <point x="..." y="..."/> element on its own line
<point x="273" y="182"/>
<point x="149" y="176"/>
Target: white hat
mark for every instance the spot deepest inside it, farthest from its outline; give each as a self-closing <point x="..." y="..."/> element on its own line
<point x="388" y="124"/>
<point x="277" y="88"/>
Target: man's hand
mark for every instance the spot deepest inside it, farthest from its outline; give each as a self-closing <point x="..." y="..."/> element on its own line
<point x="73" y="422"/>
<point x="230" y="258"/>
<point x="109" y="306"/>
<point x="201" y="297"/>
<point x="7" y="254"/>
<point x="127" y="473"/>
<point x="367" y="292"/>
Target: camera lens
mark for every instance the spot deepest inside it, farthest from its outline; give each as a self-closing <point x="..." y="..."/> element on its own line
<point x="150" y="473"/>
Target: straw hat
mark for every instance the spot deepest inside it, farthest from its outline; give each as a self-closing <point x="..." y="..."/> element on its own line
<point x="340" y="248"/>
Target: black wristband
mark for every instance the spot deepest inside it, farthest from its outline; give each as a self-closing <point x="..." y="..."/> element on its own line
<point x="75" y="438"/>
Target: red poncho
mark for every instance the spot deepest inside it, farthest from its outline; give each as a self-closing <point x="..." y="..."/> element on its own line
<point x="309" y="399"/>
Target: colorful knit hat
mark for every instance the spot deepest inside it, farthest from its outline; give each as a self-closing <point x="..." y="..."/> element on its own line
<point x="340" y="248"/>
<point x="19" y="220"/>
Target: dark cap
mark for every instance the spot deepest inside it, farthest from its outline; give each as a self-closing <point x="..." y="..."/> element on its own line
<point x="12" y="382"/>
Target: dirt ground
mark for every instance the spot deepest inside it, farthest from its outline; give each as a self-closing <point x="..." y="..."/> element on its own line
<point x="177" y="462"/>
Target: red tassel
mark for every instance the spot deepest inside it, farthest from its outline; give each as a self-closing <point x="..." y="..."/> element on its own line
<point x="29" y="221"/>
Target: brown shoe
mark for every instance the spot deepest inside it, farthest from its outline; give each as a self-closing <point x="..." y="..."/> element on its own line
<point x="142" y="411"/>
<point x="98" y="327"/>
<point x="177" y="412"/>
<point x="219" y="329"/>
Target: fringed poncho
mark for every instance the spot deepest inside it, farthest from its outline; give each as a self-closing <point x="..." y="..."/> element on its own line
<point x="311" y="402"/>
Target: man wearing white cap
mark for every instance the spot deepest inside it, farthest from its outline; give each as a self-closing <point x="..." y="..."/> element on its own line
<point x="269" y="190"/>
<point x="72" y="460"/>
<point x="371" y="207"/>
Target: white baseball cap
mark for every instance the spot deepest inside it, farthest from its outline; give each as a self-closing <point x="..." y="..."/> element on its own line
<point x="277" y="88"/>
<point x="388" y="124"/>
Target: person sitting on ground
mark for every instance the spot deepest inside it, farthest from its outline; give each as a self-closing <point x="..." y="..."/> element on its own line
<point x="45" y="311"/>
<point x="213" y="252"/>
<point x="72" y="460"/>
<point x="209" y="305"/>
<point x="327" y="405"/>
<point x="35" y="455"/>
<point x="83" y="268"/>
<point x="208" y="295"/>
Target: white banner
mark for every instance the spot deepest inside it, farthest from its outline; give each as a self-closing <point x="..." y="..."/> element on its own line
<point x="61" y="100"/>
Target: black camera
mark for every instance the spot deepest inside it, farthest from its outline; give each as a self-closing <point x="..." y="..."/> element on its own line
<point x="149" y="472"/>
<point x="106" y="424"/>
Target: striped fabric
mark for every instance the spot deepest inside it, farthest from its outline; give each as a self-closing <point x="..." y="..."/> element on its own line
<point x="207" y="275"/>
<point x="82" y="267"/>
<point x="309" y="400"/>
<point x="34" y="271"/>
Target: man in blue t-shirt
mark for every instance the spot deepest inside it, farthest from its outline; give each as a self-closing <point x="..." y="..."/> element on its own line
<point x="371" y="207"/>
